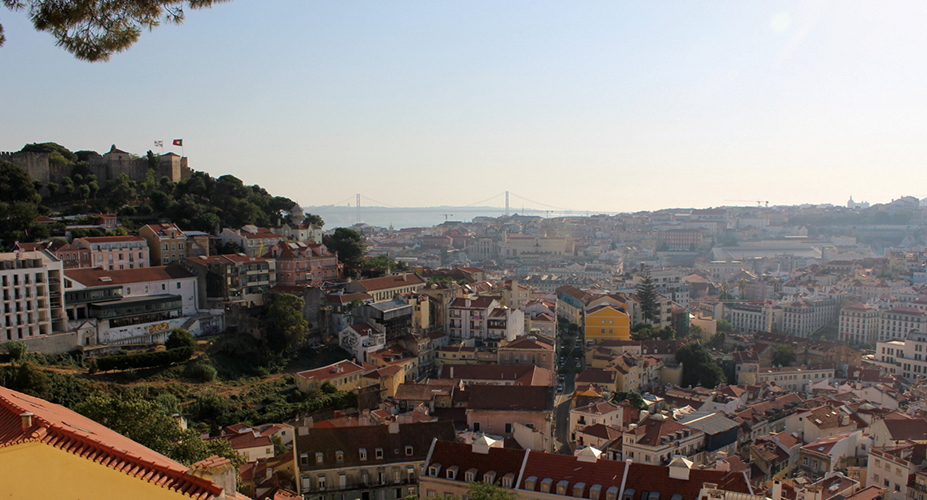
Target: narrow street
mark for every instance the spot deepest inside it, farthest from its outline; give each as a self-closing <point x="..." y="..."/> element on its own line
<point x="562" y="401"/>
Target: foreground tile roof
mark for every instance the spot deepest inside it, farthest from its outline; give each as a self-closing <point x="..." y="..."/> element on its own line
<point x="64" y="429"/>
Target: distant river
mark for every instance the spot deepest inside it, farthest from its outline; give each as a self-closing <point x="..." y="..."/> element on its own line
<point x="345" y="216"/>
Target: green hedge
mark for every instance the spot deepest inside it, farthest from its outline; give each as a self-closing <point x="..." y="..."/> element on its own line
<point x="144" y="360"/>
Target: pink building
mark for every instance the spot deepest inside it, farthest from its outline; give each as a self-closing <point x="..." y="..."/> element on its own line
<point x="303" y="263"/>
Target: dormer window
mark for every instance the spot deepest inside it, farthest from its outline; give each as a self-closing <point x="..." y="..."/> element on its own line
<point x="507" y="480"/>
<point x="452" y="472"/>
<point x="546" y="484"/>
<point x="339" y="456"/>
<point x="379" y="453"/>
<point x="363" y="454"/>
<point x="434" y="469"/>
<point x="530" y="483"/>
<point x="319" y="457"/>
<point x="470" y="475"/>
<point x="408" y="451"/>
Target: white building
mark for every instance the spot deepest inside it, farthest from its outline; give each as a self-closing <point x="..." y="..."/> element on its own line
<point x="859" y="324"/>
<point x="905" y="358"/>
<point x="136" y="305"/>
<point x="898" y="322"/>
<point x="361" y="340"/>
<point x="796" y="378"/>
<point x="751" y="318"/>
<point x="32" y="299"/>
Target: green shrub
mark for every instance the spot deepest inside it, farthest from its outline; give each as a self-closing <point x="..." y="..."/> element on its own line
<point x="144" y="360"/>
<point x="201" y="372"/>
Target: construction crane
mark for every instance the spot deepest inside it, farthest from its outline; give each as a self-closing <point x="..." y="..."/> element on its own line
<point x="758" y="202"/>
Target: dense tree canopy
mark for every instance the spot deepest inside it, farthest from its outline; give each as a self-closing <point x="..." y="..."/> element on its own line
<point x="287" y="327"/>
<point x="93" y="30"/>
<point x="698" y="367"/>
<point x="647" y="296"/>
<point x="350" y="247"/>
<point x="783" y="355"/>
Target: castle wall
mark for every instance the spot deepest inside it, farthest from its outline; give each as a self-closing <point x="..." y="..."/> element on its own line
<point x="37" y="166"/>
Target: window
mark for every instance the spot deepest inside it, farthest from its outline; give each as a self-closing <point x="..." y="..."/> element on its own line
<point x="508" y="428"/>
<point x="339" y="456"/>
<point x="319" y="457"/>
<point x="379" y="453"/>
<point x="321" y="481"/>
<point x="363" y="454"/>
<point x="408" y="451"/>
<point x="304" y="459"/>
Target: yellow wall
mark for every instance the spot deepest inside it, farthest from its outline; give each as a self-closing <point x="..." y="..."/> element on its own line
<point x="43" y="471"/>
<point x="608" y="319"/>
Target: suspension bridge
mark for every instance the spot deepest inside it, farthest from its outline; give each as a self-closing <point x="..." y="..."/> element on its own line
<point x="362" y="205"/>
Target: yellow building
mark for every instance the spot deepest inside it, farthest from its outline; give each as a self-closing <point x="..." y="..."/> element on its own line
<point x="48" y="451"/>
<point x="606" y="322"/>
<point x="166" y="243"/>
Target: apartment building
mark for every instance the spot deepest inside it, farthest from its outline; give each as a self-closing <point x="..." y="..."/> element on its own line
<point x="32" y="299"/>
<point x="370" y="462"/>
<point x="658" y="439"/>
<point x="606" y="322"/>
<point x="859" y="324"/>
<point x="232" y="279"/>
<point x="115" y="252"/>
<point x="804" y="317"/>
<point x="468" y="317"/>
<point x="166" y="242"/>
<point x="751" y="317"/>
<point x="906" y="358"/>
<point x="386" y="287"/>
<point x="796" y="378"/>
<point x="252" y="239"/>
<point x="303" y="263"/>
<point x="898" y="322"/>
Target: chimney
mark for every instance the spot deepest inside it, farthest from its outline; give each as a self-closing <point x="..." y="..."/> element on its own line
<point x="393" y="427"/>
<point x="777" y="490"/>
<point x="27" y="420"/>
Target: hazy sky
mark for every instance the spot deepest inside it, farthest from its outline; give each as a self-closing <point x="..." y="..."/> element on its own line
<point x="603" y="106"/>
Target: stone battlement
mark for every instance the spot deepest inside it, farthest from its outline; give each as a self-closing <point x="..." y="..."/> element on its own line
<point x="105" y="168"/>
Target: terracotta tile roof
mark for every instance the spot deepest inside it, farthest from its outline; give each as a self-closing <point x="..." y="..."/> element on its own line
<point x="502" y="461"/>
<point x="388" y="282"/>
<point x="99" y="277"/>
<point x="899" y="429"/>
<point x="597" y="408"/>
<point x="526" y="343"/>
<point x="421" y="392"/>
<point x="331" y="371"/>
<point x="868" y="493"/>
<point x="595" y="376"/>
<point x="349" y="440"/>
<point x="232" y="258"/>
<point x="508" y="397"/>
<point x="601" y="431"/>
<point x="641" y="477"/>
<point x="475" y="303"/>
<point x="111" y="239"/>
<point x="652" y="430"/>
<point x="347" y="298"/>
<point x="519" y="374"/>
<point x="57" y="426"/>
